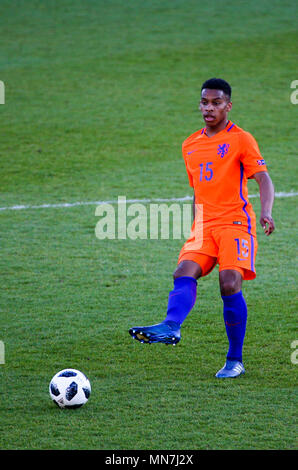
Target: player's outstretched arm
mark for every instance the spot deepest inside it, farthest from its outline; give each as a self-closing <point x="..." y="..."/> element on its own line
<point x="267" y="198"/>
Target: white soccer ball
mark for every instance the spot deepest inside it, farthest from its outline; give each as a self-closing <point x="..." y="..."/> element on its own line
<point x="70" y="388"/>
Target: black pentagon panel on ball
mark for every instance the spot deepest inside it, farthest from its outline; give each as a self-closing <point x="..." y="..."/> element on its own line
<point x="68" y="373"/>
<point x="54" y="389"/>
<point x="86" y="392"/>
<point x="71" y="391"/>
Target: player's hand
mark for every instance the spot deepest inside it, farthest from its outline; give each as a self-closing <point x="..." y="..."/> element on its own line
<point x="267" y="223"/>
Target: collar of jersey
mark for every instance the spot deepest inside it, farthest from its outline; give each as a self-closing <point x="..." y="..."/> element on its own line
<point x="228" y="127"/>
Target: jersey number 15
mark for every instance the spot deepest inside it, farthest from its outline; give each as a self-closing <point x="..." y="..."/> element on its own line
<point x="206" y="171"/>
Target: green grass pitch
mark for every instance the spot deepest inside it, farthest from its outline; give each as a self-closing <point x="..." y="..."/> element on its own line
<point x="99" y="96"/>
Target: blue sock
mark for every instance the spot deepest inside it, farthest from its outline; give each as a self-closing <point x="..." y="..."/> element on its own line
<point x="235" y="316"/>
<point x="181" y="299"/>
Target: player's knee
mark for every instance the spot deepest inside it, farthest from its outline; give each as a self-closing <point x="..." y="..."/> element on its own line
<point x="229" y="288"/>
<point x="230" y="282"/>
<point x="187" y="268"/>
<point x="177" y="273"/>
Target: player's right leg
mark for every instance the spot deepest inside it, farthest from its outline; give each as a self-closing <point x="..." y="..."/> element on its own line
<point x="181" y="301"/>
<point x="196" y="259"/>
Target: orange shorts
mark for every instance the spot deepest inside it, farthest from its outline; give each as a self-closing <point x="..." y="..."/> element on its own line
<point x="229" y="247"/>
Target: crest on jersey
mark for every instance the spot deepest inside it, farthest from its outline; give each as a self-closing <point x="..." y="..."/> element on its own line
<point x="222" y="150"/>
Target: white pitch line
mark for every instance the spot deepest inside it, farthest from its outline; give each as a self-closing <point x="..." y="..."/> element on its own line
<point x="114" y="201"/>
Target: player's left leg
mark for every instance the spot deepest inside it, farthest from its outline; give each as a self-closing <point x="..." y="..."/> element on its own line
<point x="235" y="317"/>
<point x="236" y="258"/>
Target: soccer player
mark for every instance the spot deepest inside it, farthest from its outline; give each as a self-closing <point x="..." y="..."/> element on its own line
<point x="219" y="160"/>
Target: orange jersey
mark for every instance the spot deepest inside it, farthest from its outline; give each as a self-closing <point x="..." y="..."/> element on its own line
<point x="218" y="168"/>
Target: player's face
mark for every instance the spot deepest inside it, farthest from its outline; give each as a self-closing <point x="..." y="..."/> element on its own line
<point x="214" y="106"/>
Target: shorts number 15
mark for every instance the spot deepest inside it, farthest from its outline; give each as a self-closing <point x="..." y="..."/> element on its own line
<point x="242" y="248"/>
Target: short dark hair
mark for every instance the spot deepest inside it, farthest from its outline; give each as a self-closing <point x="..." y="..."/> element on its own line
<point x="218" y="84"/>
